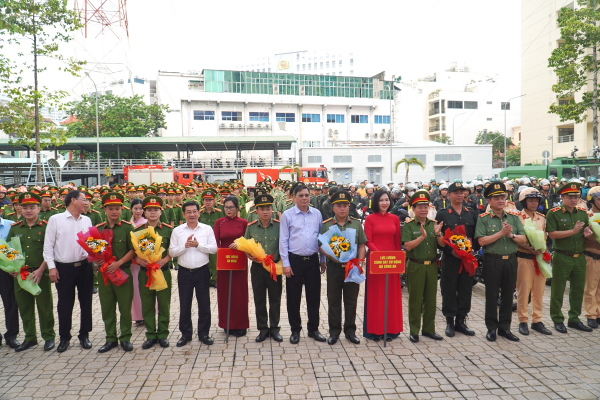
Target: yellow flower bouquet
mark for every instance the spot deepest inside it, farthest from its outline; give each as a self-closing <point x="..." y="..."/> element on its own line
<point x="595" y="225"/>
<point x="12" y="259"/>
<point x="147" y="246"/>
<point x="256" y="250"/>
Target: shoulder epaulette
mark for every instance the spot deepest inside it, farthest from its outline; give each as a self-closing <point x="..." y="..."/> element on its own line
<point x="217" y="209"/>
<point x="358" y="219"/>
<point x="555" y="209"/>
<point x="513" y="212"/>
<point x="101" y="224"/>
<point x="431" y="205"/>
<point x="253" y="222"/>
<point x="16" y="223"/>
<point x="170" y="206"/>
<point x="276" y="220"/>
<point x="540" y="214"/>
<point x="483" y="215"/>
<point x="96" y="211"/>
<point x="408" y="220"/>
<point x="252" y="212"/>
<point x="127" y="208"/>
<point x="167" y="225"/>
<point x="583" y="209"/>
<point x="126" y="222"/>
<point x="511" y="202"/>
<point x="327" y="220"/>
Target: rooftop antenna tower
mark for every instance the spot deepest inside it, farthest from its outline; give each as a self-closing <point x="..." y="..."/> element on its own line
<point x="108" y="14"/>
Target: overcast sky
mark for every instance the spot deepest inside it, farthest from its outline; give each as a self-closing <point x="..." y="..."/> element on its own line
<point x="411" y="39"/>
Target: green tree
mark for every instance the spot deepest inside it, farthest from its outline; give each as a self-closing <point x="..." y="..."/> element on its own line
<point x="117" y="117"/>
<point x="443" y="139"/>
<point x="295" y="171"/>
<point x="408" y="162"/>
<point x="41" y="25"/>
<point x="513" y="155"/>
<point x="496" y="139"/>
<point x="574" y="64"/>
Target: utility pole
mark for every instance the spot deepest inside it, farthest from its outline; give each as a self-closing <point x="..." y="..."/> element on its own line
<point x="97" y="129"/>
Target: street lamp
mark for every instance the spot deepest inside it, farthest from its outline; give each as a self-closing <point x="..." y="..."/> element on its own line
<point x="551" y="138"/>
<point x="506" y="104"/>
<point x="97" y="129"/>
<point x="453" y="118"/>
<point x="391" y="127"/>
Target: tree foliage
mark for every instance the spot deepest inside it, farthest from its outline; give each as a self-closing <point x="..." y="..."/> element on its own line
<point x="445" y="139"/>
<point x="408" y="162"/>
<point x="117" y="117"/>
<point x="513" y="155"/>
<point x="295" y="170"/>
<point x="496" y="139"/>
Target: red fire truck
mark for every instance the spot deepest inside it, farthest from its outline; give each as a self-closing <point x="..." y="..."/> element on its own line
<point x="251" y="176"/>
<point x="146" y="174"/>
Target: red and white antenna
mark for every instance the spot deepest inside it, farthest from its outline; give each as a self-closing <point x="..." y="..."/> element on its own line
<point x="107" y="14"/>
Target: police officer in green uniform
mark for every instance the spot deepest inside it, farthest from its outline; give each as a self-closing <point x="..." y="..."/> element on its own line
<point x="209" y="214"/>
<point x="499" y="232"/>
<point x="337" y="288"/>
<point x="326" y="206"/>
<point x="324" y="194"/>
<point x="566" y="226"/>
<point x="253" y="214"/>
<point x="419" y="238"/>
<point x="150" y="298"/>
<point x="111" y="295"/>
<point x="46" y="210"/>
<point x="265" y="230"/>
<point x="31" y="232"/>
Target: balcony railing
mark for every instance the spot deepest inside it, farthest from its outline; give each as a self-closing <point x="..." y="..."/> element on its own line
<point x="183" y="164"/>
<point x="436" y="128"/>
<point x="566" y="138"/>
<point x="434" y="111"/>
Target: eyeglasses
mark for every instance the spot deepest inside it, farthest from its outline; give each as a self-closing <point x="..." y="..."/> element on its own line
<point x="230" y="207"/>
<point x="85" y="200"/>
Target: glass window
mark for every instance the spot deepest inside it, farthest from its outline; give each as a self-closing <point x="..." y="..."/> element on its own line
<point x="505" y="106"/>
<point x="455" y="104"/>
<point x="311" y="118"/>
<point x="488" y="119"/>
<point x="421" y="157"/>
<point x="489" y="102"/>
<point x="231" y="115"/>
<point x="204" y="115"/>
<point x="471" y="105"/>
<point x="447" y="157"/>
<point x="312" y="144"/>
<point x="342" y="159"/>
<point x="351" y="62"/>
<point x="340" y="64"/>
<point x="374" y="158"/>
<point x="382" y="119"/>
<point x="359" y="119"/>
<point x="285" y="117"/>
<point x="335" y="118"/>
<point x="566" y="135"/>
<point x="259" y="117"/>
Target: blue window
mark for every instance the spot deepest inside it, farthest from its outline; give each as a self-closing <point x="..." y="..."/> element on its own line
<point x="259" y="117"/>
<point x="311" y="117"/>
<point x="231" y="115"/>
<point x="204" y="115"/>
<point x="335" y="118"/>
<point x="359" y="119"/>
<point x="285" y="117"/>
<point x="382" y="119"/>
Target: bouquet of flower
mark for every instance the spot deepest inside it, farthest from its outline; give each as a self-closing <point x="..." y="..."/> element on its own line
<point x="256" y="250"/>
<point x="457" y="239"/>
<point x="147" y="246"/>
<point x="595" y="225"/>
<point x="537" y="239"/>
<point x="12" y="259"/>
<point x="341" y="247"/>
<point x="97" y="245"/>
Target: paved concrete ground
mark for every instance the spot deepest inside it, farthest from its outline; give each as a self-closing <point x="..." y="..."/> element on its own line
<point x="538" y="367"/>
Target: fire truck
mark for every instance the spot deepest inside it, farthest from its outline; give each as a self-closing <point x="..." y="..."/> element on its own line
<point x="251" y="176"/>
<point x="146" y="174"/>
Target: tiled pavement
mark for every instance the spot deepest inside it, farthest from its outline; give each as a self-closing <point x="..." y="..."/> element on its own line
<point x="538" y="367"/>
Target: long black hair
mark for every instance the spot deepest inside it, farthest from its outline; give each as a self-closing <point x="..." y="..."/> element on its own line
<point x="375" y="200"/>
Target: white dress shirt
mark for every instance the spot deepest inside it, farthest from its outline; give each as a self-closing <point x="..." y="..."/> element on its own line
<point x="60" y="243"/>
<point x="191" y="257"/>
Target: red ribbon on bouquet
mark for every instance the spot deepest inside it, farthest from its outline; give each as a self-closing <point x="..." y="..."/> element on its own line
<point x="268" y="261"/>
<point x="149" y="269"/>
<point x="104" y="268"/>
<point x="350" y="264"/>
<point x="468" y="261"/>
<point x="24" y="273"/>
<point x="546" y="257"/>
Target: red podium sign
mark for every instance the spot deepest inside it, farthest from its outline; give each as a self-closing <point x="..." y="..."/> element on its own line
<point x="387" y="262"/>
<point x="231" y="260"/>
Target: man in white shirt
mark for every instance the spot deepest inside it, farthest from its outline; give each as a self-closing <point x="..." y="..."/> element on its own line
<point x="192" y="242"/>
<point x="69" y="268"/>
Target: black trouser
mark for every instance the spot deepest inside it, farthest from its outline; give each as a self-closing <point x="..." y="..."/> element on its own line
<point x="69" y="278"/>
<point x="11" y="312"/>
<point x="336" y="289"/>
<point x="456" y="288"/>
<point x="499" y="275"/>
<point x="261" y="284"/>
<point x="188" y="280"/>
<point x="306" y="272"/>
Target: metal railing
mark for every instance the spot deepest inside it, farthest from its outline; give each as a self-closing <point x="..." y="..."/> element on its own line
<point x="214" y="163"/>
<point x="437" y="128"/>
<point x="434" y="95"/>
<point x="434" y="111"/>
<point x="566" y="138"/>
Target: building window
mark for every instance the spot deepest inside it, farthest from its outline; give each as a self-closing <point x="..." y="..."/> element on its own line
<point x="351" y="62"/>
<point x="204" y="115"/>
<point x="327" y="65"/>
<point x="315" y="159"/>
<point x="374" y="158"/>
<point x="340" y="64"/>
<point x="382" y="119"/>
<point x="470" y="105"/>
<point x="505" y="106"/>
<point x="455" y="104"/>
<point x="297" y="67"/>
<point x="489" y="119"/>
<point x="489" y="102"/>
<point x="259" y="117"/>
<point x="311" y="118"/>
<point x="447" y="157"/>
<point x="285" y="117"/>
<point x="231" y="115"/>
<point x="311" y="144"/>
<point x="421" y="157"/>
<point x="359" y="119"/>
<point x="563" y="102"/>
<point x="335" y="118"/>
<point x="321" y="64"/>
<point x="303" y="67"/>
<point x="309" y="65"/>
<point x="342" y="159"/>
<point x="351" y="72"/>
<point x="566" y="135"/>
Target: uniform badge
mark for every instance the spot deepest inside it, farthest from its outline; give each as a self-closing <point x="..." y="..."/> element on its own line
<point x="342" y="196"/>
<point x="27" y="196"/>
<point x="113" y="197"/>
<point x="573" y="186"/>
<point x="263" y="199"/>
<point x="496" y="186"/>
<point x="421" y="196"/>
<point x="153" y="201"/>
<point x="458" y="184"/>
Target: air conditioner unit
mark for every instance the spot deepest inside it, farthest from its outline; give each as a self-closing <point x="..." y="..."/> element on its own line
<point x="267" y="126"/>
<point x="375" y="135"/>
<point x="250" y="126"/>
<point x="240" y="126"/>
<point x="259" y="126"/>
<point x="367" y="134"/>
<point x="383" y="131"/>
<point x="222" y="125"/>
<point x="232" y="125"/>
<point x="335" y="132"/>
<point x="330" y="131"/>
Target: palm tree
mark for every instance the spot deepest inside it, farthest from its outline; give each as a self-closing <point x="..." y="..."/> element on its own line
<point x="409" y="162"/>
<point x="295" y="170"/>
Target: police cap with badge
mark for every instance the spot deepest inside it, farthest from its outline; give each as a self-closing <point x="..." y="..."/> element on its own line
<point x="340" y="196"/>
<point x="420" y="196"/>
<point x="495" y="189"/>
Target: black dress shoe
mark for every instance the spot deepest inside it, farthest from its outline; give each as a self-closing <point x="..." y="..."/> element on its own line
<point x="317" y="336"/>
<point x="332" y="339"/>
<point x="523" y="329"/>
<point x="598" y="321"/>
<point x="63" y="345"/>
<point x="353" y="339"/>
<point x="107" y="347"/>
<point x="462" y="327"/>
<point x="95" y="290"/>
<point x="49" y="345"/>
<point x="508" y="334"/>
<point x="25" y="345"/>
<point x="592" y="323"/>
<point x="277" y="337"/>
<point x="433" y="336"/>
<point x="450" y="327"/>
<point x="85" y="343"/>
<point x="207" y="340"/>
<point x="126" y="346"/>
<point x="295" y="338"/>
<point x="164" y="342"/>
<point x="579" y="326"/>
<point x="414" y="338"/>
<point x="262" y="337"/>
<point x="491" y="335"/>
<point x="12" y="343"/>
<point x="559" y="326"/>
<point x="539" y="327"/>
<point x="149" y="343"/>
<point x="183" y="341"/>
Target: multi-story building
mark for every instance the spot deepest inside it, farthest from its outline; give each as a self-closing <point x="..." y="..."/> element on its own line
<point x="53" y="113"/>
